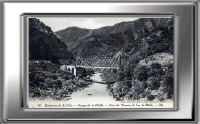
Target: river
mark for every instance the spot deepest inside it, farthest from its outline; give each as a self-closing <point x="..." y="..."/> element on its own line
<point x="95" y="93"/>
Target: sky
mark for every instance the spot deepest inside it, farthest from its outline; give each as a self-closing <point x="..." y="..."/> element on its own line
<point x="59" y="23"/>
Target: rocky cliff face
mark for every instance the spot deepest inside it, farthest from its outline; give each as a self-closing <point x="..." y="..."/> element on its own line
<point x="44" y="44"/>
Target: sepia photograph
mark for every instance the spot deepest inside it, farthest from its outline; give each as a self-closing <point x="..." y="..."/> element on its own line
<point x="100" y="62"/>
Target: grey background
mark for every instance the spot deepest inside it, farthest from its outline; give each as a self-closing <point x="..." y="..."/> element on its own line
<point x="196" y="65"/>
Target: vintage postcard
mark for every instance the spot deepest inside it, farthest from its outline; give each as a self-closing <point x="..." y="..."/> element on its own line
<point x="100" y="62"/>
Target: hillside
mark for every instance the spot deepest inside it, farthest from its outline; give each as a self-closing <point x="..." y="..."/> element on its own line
<point x="148" y="45"/>
<point x="46" y="79"/>
<point x="126" y="36"/>
<point x="44" y="44"/>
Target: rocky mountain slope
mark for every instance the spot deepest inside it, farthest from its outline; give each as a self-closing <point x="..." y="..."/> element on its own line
<point x="46" y="52"/>
<point x="44" y="44"/>
<point x="148" y="45"/>
<point x="129" y="37"/>
<point x="72" y="34"/>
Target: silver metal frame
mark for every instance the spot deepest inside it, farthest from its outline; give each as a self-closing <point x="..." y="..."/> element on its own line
<point x="186" y="15"/>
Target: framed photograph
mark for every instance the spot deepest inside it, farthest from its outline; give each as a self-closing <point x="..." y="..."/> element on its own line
<point x="102" y="61"/>
<point x="97" y="61"/>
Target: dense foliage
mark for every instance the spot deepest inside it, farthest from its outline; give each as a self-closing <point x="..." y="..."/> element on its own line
<point x="46" y="54"/>
<point x="46" y="80"/>
<point x="150" y="82"/>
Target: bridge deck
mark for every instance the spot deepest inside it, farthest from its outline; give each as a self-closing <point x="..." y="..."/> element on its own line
<point x="97" y="67"/>
<point x="98" y="62"/>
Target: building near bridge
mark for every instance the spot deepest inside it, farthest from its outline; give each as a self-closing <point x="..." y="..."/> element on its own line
<point x="69" y="68"/>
